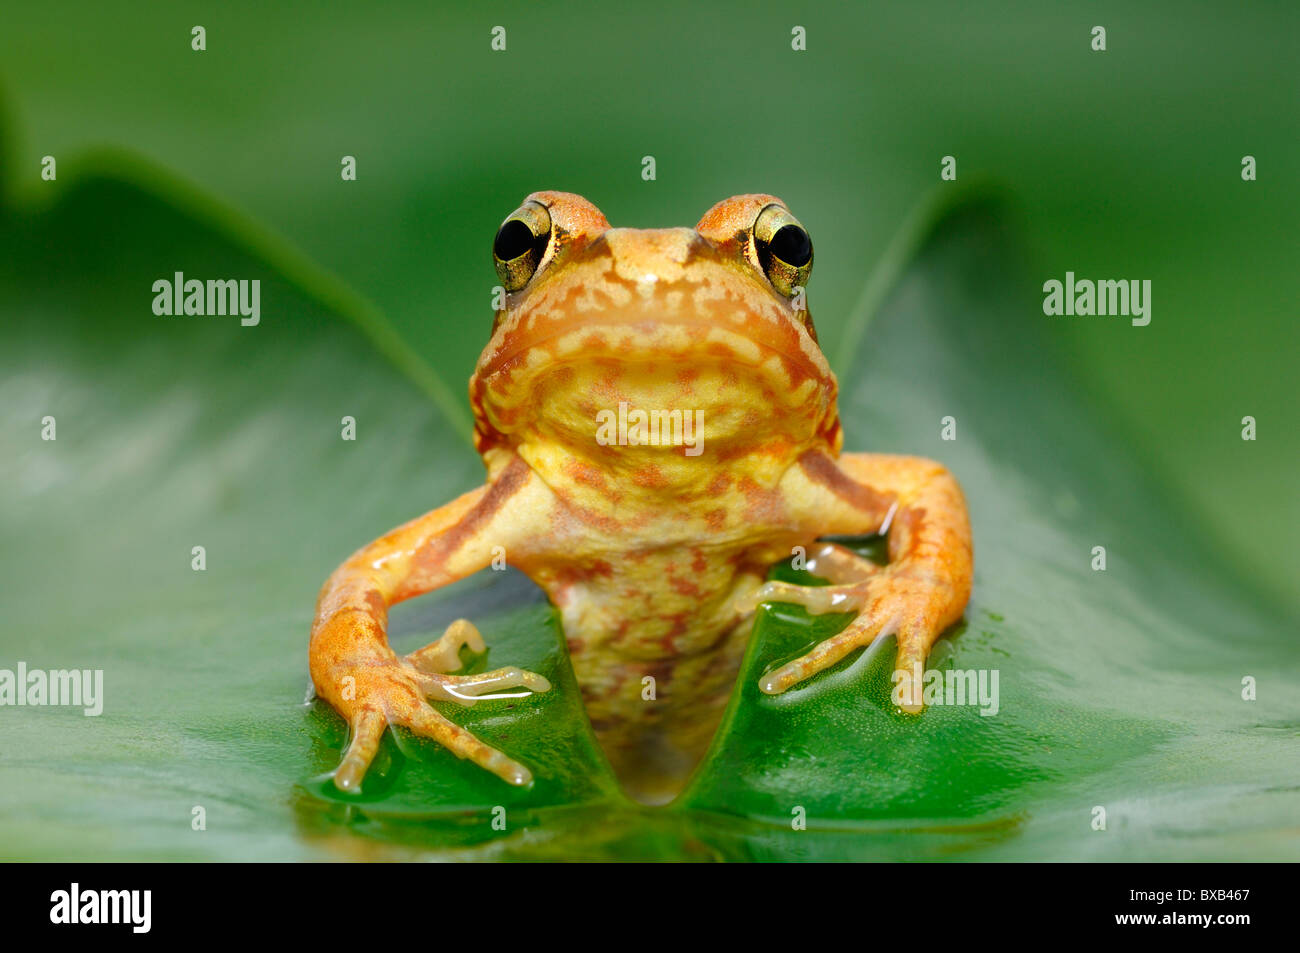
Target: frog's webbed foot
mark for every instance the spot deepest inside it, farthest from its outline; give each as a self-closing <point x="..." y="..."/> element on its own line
<point x="909" y="600"/>
<point x="394" y="691"/>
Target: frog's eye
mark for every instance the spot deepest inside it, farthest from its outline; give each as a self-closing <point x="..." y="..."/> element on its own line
<point x="520" y="245"/>
<point x="784" y="249"/>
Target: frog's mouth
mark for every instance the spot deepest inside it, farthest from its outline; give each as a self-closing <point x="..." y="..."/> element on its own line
<point x="738" y="392"/>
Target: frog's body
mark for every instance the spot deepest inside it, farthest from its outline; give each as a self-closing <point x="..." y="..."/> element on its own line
<point x="652" y="543"/>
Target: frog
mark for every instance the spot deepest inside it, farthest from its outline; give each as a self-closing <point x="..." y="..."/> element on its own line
<point x="654" y="544"/>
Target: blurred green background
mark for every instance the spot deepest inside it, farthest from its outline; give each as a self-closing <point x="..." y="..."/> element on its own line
<point x="1124" y="164"/>
<point x="1121" y="687"/>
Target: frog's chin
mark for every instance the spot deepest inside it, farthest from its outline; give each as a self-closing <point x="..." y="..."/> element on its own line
<point x="682" y="391"/>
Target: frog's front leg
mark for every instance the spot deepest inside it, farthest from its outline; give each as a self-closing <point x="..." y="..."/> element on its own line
<point x="924" y="588"/>
<point x="352" y="665"/>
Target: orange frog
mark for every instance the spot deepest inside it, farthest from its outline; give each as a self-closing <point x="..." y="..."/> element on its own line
<point x="659" y="427"/>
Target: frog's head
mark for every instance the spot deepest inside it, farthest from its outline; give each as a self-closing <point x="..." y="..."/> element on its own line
<point x="710" y="320"/>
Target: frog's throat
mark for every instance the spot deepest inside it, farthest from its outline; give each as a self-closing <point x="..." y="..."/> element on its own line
<point x="744" y="392"/>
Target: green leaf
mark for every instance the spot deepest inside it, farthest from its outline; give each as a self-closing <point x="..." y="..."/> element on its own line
<point x="1120" y="689"/>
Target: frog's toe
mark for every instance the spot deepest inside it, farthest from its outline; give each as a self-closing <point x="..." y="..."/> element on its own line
<point x="467" y="689"/>
<point x="396" y="692"/>
<point x="839" y="564"/>
<point x="443" y="655"/>
<point x="427" y="723"/>
<point x="429" y="667"/>
<point x="367" y="731"/>
<point x="816" y="599"/>
<point x="915" y="639"/>
<point x="858" y="634"/>
<point x="819" y="600"/>
<point x="908" y="601"/>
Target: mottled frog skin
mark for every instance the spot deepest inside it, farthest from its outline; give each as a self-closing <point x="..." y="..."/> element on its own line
<point x="654" y="554"/>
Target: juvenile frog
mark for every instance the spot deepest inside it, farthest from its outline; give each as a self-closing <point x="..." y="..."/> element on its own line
<point x="659" y="426"/>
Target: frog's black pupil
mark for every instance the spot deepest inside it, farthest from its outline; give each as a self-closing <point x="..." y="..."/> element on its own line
<point x="791" y="245"/>
<point x="514" y="239"/>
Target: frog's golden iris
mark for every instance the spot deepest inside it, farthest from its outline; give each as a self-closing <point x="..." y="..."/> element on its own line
<point x="784" y="249"/>
<point x="654" y="558"/>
